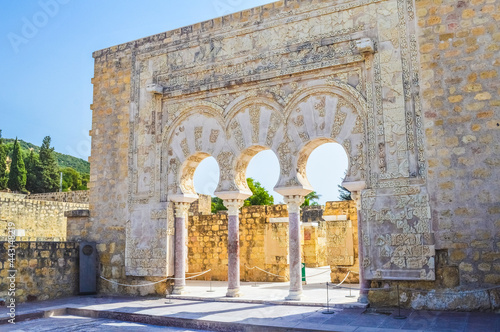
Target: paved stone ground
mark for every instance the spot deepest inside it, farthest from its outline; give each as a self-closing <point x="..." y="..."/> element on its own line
<point x="314" y="291"/>
<point x="75" y="323"/>
<point x="223" y="316"/>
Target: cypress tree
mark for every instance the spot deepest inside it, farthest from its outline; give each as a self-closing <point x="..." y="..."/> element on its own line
<point x="34" y="173"/>
<point x="3" y="164"/>
<point x="17" y="175"/>
<point x="49" y="167"/>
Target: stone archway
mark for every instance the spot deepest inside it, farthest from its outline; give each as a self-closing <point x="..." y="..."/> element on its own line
<point x="311" y="116"/>
<point x="311" y="71"/>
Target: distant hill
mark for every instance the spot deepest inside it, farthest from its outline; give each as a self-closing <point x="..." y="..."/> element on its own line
<point x="63" y="160"/>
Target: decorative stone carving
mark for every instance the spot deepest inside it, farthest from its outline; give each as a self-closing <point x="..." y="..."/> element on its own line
<point x="337" y="85"/>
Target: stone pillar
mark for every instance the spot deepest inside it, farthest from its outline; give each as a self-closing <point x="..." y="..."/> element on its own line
<point x="294" y="251"/>
<point x="363" y="283"/>
<point x="233" y="246"/>
<point x="181" y="215"/>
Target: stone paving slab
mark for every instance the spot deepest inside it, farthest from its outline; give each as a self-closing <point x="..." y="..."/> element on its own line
<point x="223" y="316"/>
<point x="314" y="292"/>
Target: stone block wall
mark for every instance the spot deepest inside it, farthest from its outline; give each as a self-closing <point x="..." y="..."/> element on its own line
<point x="314" y="248"/>
<point x="313" y="213"/>
<point x="80" y="196"/>
<point x="341" y="232"/>
<point x="263" y="243"/>
<point x="459" y="43"/>
<point x="35" y="220"/>
<point x="44" y="270"/>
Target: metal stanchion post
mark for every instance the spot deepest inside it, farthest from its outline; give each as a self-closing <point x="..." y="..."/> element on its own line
<point x="210" y="290"/>
<point x="399" y="306"/>
<point x="168" y="296"/>
<point x="350" y="293"/>
<point x="328" y="311"/>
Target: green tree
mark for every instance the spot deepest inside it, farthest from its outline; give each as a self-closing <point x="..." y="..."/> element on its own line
<point x="50" y="170"/>
<point x="72" y="180"/>
<point x="260" y="195"/>
<point x="344" y="194"/>
<point x="3" y="164"/>
<point x="217" y="205"/>
<point x="34" y="173"/>
<point x="311" y="199"/>
<point x="17" y="174"/>
<point x="85" y="179"/>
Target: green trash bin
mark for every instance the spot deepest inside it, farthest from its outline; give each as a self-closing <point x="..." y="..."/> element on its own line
<point x="304" y="282"/>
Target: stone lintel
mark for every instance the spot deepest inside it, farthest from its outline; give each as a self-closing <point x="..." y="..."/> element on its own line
<point x="335" y="218"/>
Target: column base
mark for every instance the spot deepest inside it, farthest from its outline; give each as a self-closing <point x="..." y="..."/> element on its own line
<point x="294" y="296"/>
<point x="178" y="290"/>
<point x="363" y="298"/>
<point x="235" y="292"/>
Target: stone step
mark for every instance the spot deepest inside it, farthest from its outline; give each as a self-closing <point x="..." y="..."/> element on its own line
<point x="350" y="305"/>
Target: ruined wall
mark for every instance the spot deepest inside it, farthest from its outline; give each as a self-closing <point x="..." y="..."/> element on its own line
<point x="460" y="56"/>
<point x="203" y="205"/>
<point x="341" y="232"/>
<point x="263" y="243"/>
<point x="460" y="61"/>
<point x="110" y="190"/>
<point x="226" y="86"/>
<point x="44" y="270"/>
<point x="35" y="220"/>
<point x="80" y="196"/>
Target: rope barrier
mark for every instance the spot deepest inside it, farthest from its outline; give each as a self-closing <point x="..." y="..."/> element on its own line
<point x="258" y="268"/>
<point x="314" y="275"/>
<point x="347" y="275"/>
<point x="154" y="283"/>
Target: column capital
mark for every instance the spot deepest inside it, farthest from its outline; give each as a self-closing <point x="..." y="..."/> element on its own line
<point x="294" y="202"/>
<point x="233" y="206"/>
<point x="355" y="188"/>
<point x="181" y="209"/>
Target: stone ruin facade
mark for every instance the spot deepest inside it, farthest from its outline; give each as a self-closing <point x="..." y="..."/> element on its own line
<point x="409" y="88"/>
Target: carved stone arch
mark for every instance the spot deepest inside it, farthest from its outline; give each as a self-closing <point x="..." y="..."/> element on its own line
<point x="210" y="109"/>
<point x="254" y="121"/>
<point x="192" y="137"/>
<point x="186" y="173"/>
<point x="324" y="114"/>
<point x="344" y="90"/>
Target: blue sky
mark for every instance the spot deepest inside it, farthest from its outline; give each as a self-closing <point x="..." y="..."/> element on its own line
<point x="46" y="50"/>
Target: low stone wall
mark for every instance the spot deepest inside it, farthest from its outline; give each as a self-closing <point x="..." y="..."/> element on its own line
<point x="263" y="243"/>
<point x="44" y="270"/>
<point x="35" y="220"/>
<point x="79" y="196"/>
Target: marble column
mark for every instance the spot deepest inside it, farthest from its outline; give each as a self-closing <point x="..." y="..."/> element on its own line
<point x="294" y="251"/>
<point x="363" y="283"/>
<point x="233" y="246"/>
<point x="181" y="215"/>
